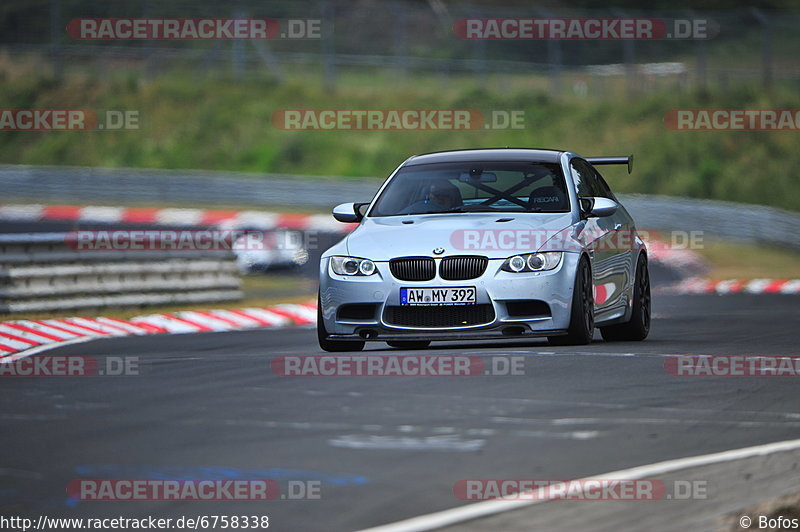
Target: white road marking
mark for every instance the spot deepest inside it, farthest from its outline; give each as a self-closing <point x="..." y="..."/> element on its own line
<point x="406" y="443"/>
<point x="431" y="433"/>
<point x="641" y="421"/>
<point x="477" y="510"/>
<point x="20" y="473"/>
<point x="46" y="347"/>
<point x="569" y="353"/>
<point x="549" y="402"/>
<point x="30" y="417"/>
<point x="547" y="434"/>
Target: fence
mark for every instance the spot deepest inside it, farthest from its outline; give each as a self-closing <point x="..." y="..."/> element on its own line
<point x="41" y="272"/>
<point x="410" y="38"/>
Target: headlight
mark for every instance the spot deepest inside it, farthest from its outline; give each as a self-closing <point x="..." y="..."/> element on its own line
<point x="516" y="264"/>
<point x="535" y="262"/>
<point x="352" y="266"/>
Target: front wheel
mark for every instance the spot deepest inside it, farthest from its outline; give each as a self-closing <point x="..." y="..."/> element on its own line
<point x="581" y="323"/>
<point x="333" y="346"/>
<point x="639" y="325"/>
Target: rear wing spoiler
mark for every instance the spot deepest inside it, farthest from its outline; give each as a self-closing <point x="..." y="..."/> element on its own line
<point x="613" y="160"/>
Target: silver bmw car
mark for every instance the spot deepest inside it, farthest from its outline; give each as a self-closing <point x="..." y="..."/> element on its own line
<point x="486" y="244"/>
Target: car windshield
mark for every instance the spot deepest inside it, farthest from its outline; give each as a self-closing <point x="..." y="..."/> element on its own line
<point x="474" y="187"/>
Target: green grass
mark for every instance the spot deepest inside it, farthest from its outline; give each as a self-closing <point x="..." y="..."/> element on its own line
<point x="218" y="124"/>
<point x="729" y="260"/>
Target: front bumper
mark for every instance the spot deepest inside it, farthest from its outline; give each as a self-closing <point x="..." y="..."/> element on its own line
<point x="498" y="293"/>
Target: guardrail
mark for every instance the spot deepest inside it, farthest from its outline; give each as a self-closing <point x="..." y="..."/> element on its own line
<point x="130" y="185"/>
<point x="728" y="220"/>
<point x="41" y="272"/>
<point x="723" y="219"/>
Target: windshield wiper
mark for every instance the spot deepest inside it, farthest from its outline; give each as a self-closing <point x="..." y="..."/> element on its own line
<point x="472" y="208"/>
<point x="460" y="208"/>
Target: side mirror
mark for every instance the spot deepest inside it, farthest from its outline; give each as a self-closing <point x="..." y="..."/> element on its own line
<point x="349" y="212"/>
<point x="599" y="207"/>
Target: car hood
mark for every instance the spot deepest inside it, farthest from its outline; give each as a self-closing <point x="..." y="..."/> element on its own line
<point x="494" y="235"/>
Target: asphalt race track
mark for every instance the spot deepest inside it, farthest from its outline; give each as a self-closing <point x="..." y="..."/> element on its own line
<point x="388" y="448"/>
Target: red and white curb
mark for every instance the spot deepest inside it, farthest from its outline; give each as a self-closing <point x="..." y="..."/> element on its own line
<point x="691" y="265"/>
<point x="22" y="338"/>
<point x="228" y="219"/>
<point x="687" y="263"/>
<point x="733" y="286"/>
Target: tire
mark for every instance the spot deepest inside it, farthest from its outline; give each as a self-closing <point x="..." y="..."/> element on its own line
<point x="581" y="323"/>
<point x="638" y="327"/>
<point x="333" y="346"/>
<point x="409" y="344"/>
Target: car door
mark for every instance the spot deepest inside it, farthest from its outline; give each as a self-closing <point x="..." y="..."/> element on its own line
<point x="620" y="241"/>
<point x="625" y="239"/>
<point x="598" y="235"/>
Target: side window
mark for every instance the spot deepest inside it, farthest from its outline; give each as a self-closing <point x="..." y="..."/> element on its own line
<point x="604" y="189"/>
<point x="585" y="181"/>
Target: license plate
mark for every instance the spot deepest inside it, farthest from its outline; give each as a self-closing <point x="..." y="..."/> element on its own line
<point x="459" y="295"/>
